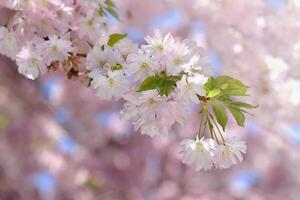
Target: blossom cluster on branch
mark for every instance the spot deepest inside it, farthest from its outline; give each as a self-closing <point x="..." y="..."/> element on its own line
<point x="159" y="80"/>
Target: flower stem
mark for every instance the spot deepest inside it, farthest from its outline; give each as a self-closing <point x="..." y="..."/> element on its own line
<point x="215" y="123"/>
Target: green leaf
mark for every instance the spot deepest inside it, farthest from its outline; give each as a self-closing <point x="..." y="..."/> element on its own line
<point x="165" y="87"/>
<point x="163" y="84"/>
<point x="209" y="85"/>
<point x="117" y="67"/>
<point x="113" y="12"/>
<point x="238" y="115"/>
<point x="150" y="83"/>
<point x="214" y="92"/>
<point x="227" y="86"/>
<point x="244" y="105"/>
<point x="110" y="3"/>
<point x="100" y="11"/>
<point x="231" y="86"/>
<point x="220" y="113"/>
<point x="115" y="38"/>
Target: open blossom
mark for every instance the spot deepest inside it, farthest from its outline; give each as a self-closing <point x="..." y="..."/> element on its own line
<point x="141" y="65"/>
<point x="103" y="56"/>
<point x="30" y="63"/>
<point x="151" y="109"/>
<point x="198" y="153"/>
<point x="189" y="87"/>
<point x="177" y="60"/>
<point x="92" y="26"/>
<point x="57" y="49"/>
<point x="229" y="153"/>
<point x="9" y="45"/>
<point x="126" y="47"/>
<point x="199" y="65"/>
<point x="151" y="113"/>
<point x="159" y="43"/>
<point x="205" y="153"/>
<point x="65" y="15"/>
<point x="114" y="85"/>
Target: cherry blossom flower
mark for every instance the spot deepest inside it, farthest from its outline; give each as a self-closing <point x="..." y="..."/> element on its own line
<point x="103" y="56"/>
<point x="151" y="113"/>
<point x="198" y="153"/>
<point x="57" y="49"/>
<point x="229" y="153"/>
<point x="178" y="59"/>
<point x="92" y="25"/>
<point x="114" y="85"/>
<point x="159" y="43"/>
<point x="30" y="63"/>
<point x="126" y="47"/>
<point x="189" y="87"/>
<point x="141" y="65"/>
<point x="8" y="43"/>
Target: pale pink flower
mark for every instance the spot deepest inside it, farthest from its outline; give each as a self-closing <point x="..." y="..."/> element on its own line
<point x="57" y="49"/>
<point x="229" y="153"/>
<point x="198" y="153"/>
<point x="114" y="85"/>
<point x="30" y="63"/>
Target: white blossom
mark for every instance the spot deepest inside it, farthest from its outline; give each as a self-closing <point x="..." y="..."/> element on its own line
<point x="30" y="63"/>
<point x="8" y="43"/>
<point x="159" y="43"/>
<point x="103" y="56"/>
<point x="189" y="87"/>
<point x="92" y="25"/>
<point x="198" y="153"/>
<point x="126" y="47"/>
<point x="229" y="153"/>
<point x="57" y="49"/>
<point x="141" y="65"/>
<point x="114" y="85"/>
<point x="177" y="60"/>
<point x="150" y="113"/>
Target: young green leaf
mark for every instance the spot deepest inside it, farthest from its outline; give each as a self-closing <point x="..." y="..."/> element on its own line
<point x="164" y="84"/>
<point x="110" y="3"/>
<point x="214" y="92"/>
<point x="165" y="87"/>
<point x="100" y="11"/>
<point x="244" y="105"/>
<point x="150" y="83"/>
<point x="115" y="38"/>
<point x="208" y="86"/>
<point x="238" y="115"/>
<point x="113" y="12"/>
<point x="220" y="113"/>
<point x="226" y="85"/>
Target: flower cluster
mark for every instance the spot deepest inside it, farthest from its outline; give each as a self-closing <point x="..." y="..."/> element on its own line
<point x="158" y="80"/>
<point x="45" y="33"/>
<point x="206" y="153"/>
